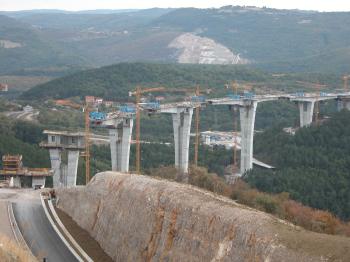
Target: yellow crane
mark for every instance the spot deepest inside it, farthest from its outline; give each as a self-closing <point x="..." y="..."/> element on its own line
<point x="86" y="154"/>
<point x="87" y="134"/>
<point x="137" y="93"/>
<point x="196" y="144"/>
<point x="234" y="87"/>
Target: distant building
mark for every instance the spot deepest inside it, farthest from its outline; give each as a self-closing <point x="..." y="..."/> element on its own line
<point x="94" y="101"/>
<point x="216" y="138"/>
<point x="90" y="99"/>
<point x="4" y="87"/>
<point x="290" y="130"/>
<point x="98" y="100"/>
<point x="28" y="109"/>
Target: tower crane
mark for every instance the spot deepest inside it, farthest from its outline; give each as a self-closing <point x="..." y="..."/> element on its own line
<point x="86" y="154"/>
<point x="196" y="144"/>
<point x="198" y="93"/>
<point x="87" y="134"/>
<point x="137" y="93"/>
<point x="234" y="87"/>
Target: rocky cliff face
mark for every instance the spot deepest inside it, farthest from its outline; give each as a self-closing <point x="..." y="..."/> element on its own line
<point x="138" y="218"/>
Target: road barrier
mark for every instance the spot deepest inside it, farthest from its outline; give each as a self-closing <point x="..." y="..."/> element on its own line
<point x="81" y="257"/>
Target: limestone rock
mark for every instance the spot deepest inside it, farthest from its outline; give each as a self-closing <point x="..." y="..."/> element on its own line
<point x="138" y="218"/>
<point x="194" y="49"/>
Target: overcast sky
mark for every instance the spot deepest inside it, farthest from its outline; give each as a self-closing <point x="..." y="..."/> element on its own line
<point x="321" y="5"/>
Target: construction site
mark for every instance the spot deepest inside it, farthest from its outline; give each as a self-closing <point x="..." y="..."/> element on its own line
<point x="14" y="174"/>
<point x="66" y="147"/>
<point x="85" y="219"/>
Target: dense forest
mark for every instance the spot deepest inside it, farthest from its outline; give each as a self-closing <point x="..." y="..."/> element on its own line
<point x="313" y="165"/>
<point x="114" y="82"/>
<point x="17" y="137"/>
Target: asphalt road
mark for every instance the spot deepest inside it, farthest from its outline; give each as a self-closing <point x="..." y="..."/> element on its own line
<point x="39" y="234"/>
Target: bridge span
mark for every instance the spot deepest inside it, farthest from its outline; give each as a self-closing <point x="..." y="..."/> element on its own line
<point x="120" y="125"/>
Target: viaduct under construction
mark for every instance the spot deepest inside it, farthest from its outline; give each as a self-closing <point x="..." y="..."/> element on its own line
<point x="120" y="126"/>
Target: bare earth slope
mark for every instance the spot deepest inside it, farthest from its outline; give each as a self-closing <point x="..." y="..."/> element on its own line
<point x="202" y="50"/>
<point x="138" y="218"/>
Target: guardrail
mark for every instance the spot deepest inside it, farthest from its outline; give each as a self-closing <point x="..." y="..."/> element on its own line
<point x="15" y="229"/>
<point x="82" y="257"/>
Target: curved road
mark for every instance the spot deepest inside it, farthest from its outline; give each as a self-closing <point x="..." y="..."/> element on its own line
<point x="39" y="234"/>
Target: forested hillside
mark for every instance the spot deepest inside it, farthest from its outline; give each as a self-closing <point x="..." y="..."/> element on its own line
<point x="23" y="138"/>
<point x="283" y="40"/>
<point x="272" y="39"/>
<point x="313" y="166"/>
<point x="22" y="49"/>
<point x="115" y="82"/>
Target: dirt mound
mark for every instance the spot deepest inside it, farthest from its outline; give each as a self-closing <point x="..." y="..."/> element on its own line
<point x="138" y="218"/>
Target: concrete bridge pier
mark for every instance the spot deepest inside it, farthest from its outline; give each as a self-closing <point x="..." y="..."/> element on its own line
<point x="306" y="111"/>
<point x="247" y="120"/>
<point x="72" y="168"/>
<point x="343" y="104"/>
<point x="182" y="128"/>
<point x="56" y="160"/>
<point x="120" y="140"/>
<point x="59" y="142"/>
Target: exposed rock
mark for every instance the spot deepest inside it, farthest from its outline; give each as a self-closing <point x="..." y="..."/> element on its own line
<point x="138" y="218"/>
<point x="202" y="50"/>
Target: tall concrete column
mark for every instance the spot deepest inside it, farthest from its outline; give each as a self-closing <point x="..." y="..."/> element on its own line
<point x="343" y="104"/>
<point x="56" y="160"/>
<point x="306" y="111"/>
<point x="120" y="140"/>
<point x="247" y="120"/>
<point x="72" y="167"/>
<point x="182" y="128"/>
<point x="113" y="140"/>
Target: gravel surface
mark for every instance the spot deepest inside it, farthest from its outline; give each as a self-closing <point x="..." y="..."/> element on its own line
<point x="86" y="242"/>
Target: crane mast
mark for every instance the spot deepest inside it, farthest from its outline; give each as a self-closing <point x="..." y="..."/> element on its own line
<point x="137" y="93"/>
<point x="234" y="167"/>
<point x="87" y="142"/>
<point x="196" y="145"/>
